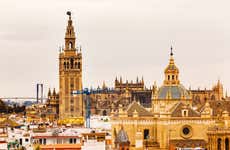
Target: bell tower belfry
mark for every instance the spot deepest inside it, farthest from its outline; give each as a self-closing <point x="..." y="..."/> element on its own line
<point x="171" y="72"/>
<point x="70" y="75"/>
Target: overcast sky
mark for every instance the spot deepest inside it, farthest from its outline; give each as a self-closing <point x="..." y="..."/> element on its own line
<point x="125" y="38"/>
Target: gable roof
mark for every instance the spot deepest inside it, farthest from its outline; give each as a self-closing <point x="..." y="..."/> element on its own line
<point x="177" y="110"/>
<point x="142" y="112"/>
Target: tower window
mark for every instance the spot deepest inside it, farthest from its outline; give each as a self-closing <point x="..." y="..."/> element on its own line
<point x="71" y="63"/>
<point x="64" y="65"/>
<point x="172" y="77"/>
<point x="168" y="77"/>
<point x="70" y="45"/>
<point x="79" y="65"/>
<point x="67" y="65"/>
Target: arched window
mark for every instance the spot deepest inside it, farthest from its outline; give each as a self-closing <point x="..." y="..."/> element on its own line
<point x="146" y="134"/>
<point x="219" y="144"/>
<point x="71" y="63"/>
<point x="70" y="45"/>
<point x="168" y="77"/>
<point x="67" y="65"/>
<point x="79" y="65"/>
<point x="75" y="65"/>
<point x="226" y="144"/>
<point x="64" y="65"/>
<point x="172" y="77"/>
<point x="104" y="113"/>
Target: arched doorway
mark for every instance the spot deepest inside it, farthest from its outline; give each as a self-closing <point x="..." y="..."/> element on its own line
<point x="226" y="144"/>
<point x="104" y="113"/>
<point x="219" y="144"/>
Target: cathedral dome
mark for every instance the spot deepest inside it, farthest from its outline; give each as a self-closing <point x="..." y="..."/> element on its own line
<point x="173" y="92"/>
<point x="171" y="68"/>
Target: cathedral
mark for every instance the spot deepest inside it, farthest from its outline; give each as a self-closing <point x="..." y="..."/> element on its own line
<point x="176" y="120"/>
<point x="165" y="117"/>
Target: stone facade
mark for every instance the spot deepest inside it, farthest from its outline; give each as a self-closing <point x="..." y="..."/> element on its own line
<point x="174" y="121"/>
<point x="70" y="76"/>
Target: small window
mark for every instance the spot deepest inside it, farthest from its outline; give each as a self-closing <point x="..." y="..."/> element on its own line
<point x="64" y="65"/>
<point x="172" y="77"/>
<point x="67" y="65"/>
<point x="71" y="63"/>
<point x="146" y="134"/>
<point x="44" y="141"/>
<point x="79" y="65"/>
<point x="26" y="140"/>
<point x="40" y="141"/>
<point x="70" y="45"/>
<point x="184" y="113"/>
<point x="168" y="77"/>
<point x="70" y="141"/>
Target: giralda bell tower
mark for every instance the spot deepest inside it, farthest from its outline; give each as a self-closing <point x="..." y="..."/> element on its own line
<point x="70" y="76"/>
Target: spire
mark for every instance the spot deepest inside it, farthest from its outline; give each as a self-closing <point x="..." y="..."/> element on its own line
<point x="142" y="80"/>
<point x="171" y="71"/>
<point x="103" y="86"/>
<point x="120" y="79"/>
<point x="54" y="92"/>
<point x="171" y="53"/>
<point x="70" y="34"/>
<point x="49" y="93"/>
<point x="137" y="81"/>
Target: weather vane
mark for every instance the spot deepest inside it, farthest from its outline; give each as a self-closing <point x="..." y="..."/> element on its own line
<point x="68" y="13"/>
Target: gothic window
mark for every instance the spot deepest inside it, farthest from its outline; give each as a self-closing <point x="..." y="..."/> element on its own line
<point x="172" y="77"/>
<point x="71" y="63"/>
<point x="219" y="144"/>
